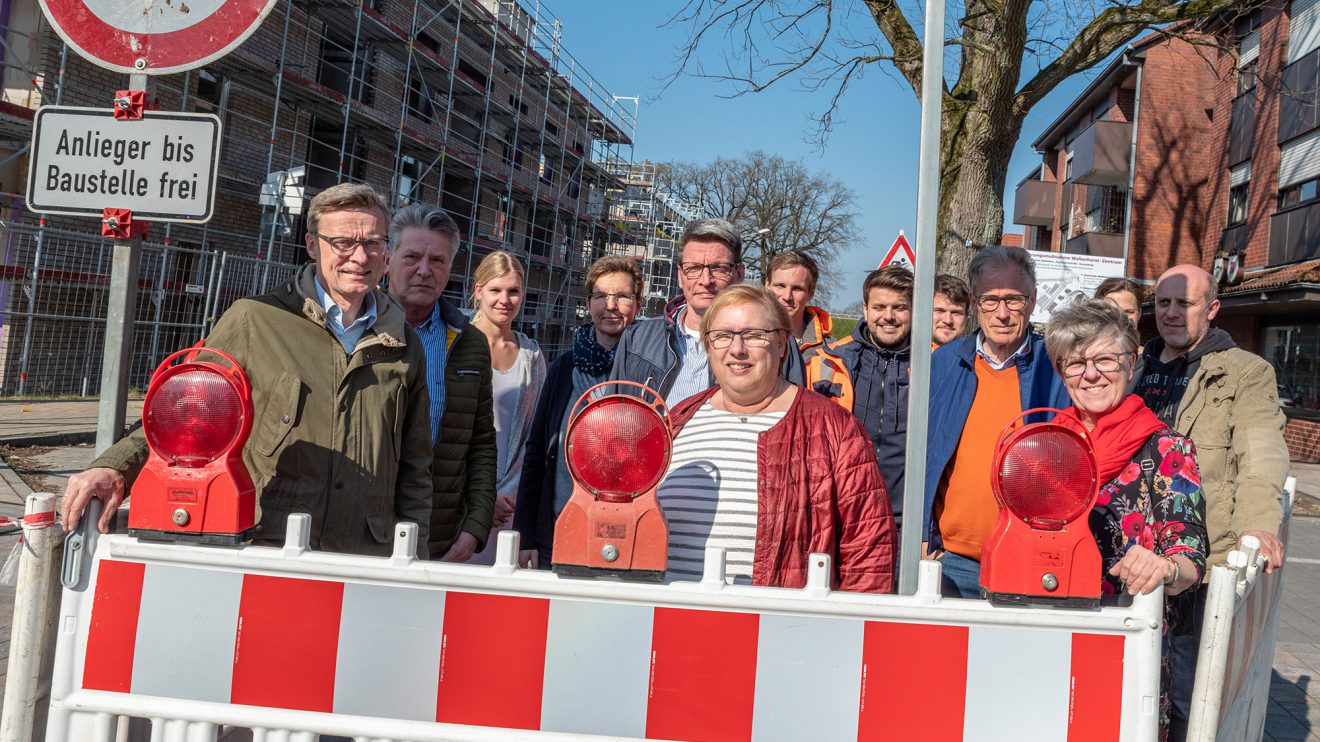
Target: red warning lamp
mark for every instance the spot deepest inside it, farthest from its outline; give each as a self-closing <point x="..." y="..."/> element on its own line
<point x="1041" y="549"/>
<point x="194" y="486"/>
<point x="617" y="449"/>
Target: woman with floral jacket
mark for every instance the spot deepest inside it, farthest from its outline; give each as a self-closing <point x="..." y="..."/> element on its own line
<point x="1149" y="516"/>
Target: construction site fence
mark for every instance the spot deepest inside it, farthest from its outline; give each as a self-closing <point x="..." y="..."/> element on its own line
<point x="54" y="285"/>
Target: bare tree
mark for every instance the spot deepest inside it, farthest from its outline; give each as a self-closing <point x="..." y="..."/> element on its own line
<point x="797" y="209"/>
<point x="1006" y="55"/>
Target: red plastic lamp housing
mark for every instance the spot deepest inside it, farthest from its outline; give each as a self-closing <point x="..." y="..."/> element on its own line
<point x="1046" y="476"/>
<point x="1041" y="549"/>
<point x="194" y="415"/>
<point x="196" y="419"/>
<point x="618" y="447"/>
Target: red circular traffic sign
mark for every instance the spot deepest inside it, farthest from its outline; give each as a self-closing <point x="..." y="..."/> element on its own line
<point x="154" y="37"/>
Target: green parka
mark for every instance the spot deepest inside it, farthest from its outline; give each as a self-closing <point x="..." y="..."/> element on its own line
<point x="464" y="468"/>
<point x="344" y="438"/>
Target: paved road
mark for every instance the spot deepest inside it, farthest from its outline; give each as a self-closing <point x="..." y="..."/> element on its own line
<point x="1294" y="696"/>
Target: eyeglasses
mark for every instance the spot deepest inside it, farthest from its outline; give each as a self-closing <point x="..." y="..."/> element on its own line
<point x="345" y="246"/>
<point x="751" y="338"/>
<point x="989" y="303"/>
<point x="717" y="270"/>
<point x="1105" y="363"/>
<point x="623" y="300"/>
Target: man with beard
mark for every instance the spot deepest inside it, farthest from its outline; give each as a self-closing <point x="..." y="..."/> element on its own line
<point x="867" y="372"/>
<point x="1227" y="401"/>
<point x="952" y="300"/>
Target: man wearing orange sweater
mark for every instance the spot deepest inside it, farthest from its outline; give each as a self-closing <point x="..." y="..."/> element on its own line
<point x="979" y="384"/>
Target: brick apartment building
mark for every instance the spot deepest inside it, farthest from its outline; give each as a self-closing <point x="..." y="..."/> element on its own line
<point x="473" y="104"/>
<point x="1203" y="146"/>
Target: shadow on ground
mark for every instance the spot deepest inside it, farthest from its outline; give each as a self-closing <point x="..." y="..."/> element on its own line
<point x="1287" y="718"/>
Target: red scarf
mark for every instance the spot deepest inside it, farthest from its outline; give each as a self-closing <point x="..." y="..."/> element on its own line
<point x="1119" y="434"/>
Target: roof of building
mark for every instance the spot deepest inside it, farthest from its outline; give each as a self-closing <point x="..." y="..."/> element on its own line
<point x="1307" y="271"/>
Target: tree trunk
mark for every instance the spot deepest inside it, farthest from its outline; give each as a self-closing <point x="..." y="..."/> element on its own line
<point x="975" y="152"/>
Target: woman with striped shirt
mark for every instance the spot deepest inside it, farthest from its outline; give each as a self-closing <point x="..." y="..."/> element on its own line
<point x="768" y="470"/>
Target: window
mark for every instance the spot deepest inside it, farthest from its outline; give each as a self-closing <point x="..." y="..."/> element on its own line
<point x="501" y="223"/>
<point x="212" y="93"/>
<point x="410" y="181"/>
<point x="1295" y="352"/>
<point x="419" y="100"/>
<point x="472" y="73"/>
<point x="1237" y="203"/>
<point x="1246" y="77"/>
<point x="1298" y="194"/>
<point x="345" y="66"/>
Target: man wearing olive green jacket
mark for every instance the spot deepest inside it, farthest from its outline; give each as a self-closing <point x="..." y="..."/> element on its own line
<point x="1227" y="401"/>
<point x="423" y="241"/>
<point x="341" y="426"/>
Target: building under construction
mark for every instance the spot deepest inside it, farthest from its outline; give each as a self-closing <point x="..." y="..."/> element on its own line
<point x="470" y="104"/>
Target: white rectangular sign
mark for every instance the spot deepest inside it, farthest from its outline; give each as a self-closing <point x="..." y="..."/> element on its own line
<point x="1064" y="278"/>
<point x="161" y="167"/>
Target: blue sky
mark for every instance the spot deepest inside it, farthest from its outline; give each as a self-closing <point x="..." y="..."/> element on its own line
<point x="873" y="147"/>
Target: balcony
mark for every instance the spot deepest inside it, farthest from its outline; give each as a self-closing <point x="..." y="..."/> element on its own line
<point x="1234" y="239"/>
<point x="1034" y="203"/>
<point x="1102" y="244"/>
<point x="1242" y="128"/>
<point x="1102" y="154"/>
<point x="1299" y="101"/>
<point x="1295" y="234"/>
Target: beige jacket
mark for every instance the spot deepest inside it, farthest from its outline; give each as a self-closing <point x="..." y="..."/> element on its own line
<point x="1231" y="412"/>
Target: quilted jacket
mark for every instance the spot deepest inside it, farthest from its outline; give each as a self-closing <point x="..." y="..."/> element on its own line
<point x="820" y="490"/>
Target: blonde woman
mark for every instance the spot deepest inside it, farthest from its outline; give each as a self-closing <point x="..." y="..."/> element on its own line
<point x="518" y="371"/>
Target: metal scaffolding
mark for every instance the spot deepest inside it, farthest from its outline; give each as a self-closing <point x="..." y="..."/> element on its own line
<point x="470" y="104"/>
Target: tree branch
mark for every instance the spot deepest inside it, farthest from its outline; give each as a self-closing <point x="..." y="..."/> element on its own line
<point x="907" y="58"/>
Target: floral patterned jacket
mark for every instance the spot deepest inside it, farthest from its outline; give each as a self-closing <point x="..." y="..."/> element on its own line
<point x="1155" y="502"/>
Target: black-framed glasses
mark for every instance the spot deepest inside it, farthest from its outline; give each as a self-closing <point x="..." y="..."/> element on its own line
<point x="753" y="338"/>
<point x="622" y="299"/>
<point x="717" y="270"/>
<point x="1105" y="363"/>
<point x="989" y="302"/>
<point x="345" y="246"/>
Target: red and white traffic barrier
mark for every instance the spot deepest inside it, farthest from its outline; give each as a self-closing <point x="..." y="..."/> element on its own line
<point x="1236" y="657"/>
<point x="34" y="606"/>
<point x="291" y="641"/>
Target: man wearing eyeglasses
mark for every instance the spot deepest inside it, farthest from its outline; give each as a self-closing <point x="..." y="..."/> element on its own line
<point x="667" y="355"/>
<point x="341" y="428"/>
<point x="979" y="384"/>
<point x="1227" y="401"/>
<point x="614" y="288"/>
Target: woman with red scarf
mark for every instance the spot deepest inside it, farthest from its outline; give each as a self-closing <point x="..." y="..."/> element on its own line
<point x="1149" y="517"/>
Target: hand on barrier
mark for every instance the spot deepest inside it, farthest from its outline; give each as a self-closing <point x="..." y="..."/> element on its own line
<point x="462" y="550"/>
<point x="930" y="555"/>
<point x="529" y="559"/>
<point x="1270" y="547"/>
<point x="102" y="483"/>
<point x="1142" y="570"/>
<point x="503" y="511"/>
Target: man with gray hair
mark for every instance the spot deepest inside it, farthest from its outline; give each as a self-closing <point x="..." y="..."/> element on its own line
<point x="666" y="354"/>
<point x="423" y="242"/>
<point x="338" y="386"/>
<point x="979" y="384"/>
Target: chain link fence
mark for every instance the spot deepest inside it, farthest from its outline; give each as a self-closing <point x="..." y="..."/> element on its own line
<point x="54" y="284"/>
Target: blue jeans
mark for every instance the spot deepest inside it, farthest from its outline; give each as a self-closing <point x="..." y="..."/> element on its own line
<point x="960" y="577"/>
<point x="1182" y="669"/>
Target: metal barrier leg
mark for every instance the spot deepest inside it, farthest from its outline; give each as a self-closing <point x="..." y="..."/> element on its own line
<point x="32" y="619"/>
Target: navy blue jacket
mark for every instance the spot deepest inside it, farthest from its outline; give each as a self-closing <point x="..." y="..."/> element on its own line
<point x="952" y="389"/>
<point x="879" y="378"/>
<point x="546" y="486"/>
<point x="648" y="354"/>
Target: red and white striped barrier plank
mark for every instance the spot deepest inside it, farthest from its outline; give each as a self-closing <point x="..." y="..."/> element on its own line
<point x="589" y="667"/>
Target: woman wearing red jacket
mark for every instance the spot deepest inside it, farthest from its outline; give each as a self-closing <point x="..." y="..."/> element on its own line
<point x="768" y="470"/>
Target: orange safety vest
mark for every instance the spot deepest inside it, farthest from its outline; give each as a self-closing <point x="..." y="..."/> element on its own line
<point x="826" y="367"/>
